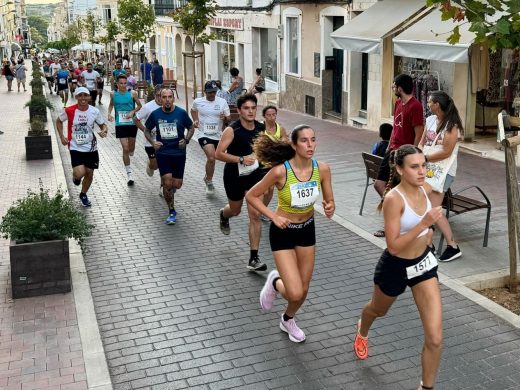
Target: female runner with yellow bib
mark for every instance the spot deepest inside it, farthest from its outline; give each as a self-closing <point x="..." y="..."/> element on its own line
<point x="300" y="180"/>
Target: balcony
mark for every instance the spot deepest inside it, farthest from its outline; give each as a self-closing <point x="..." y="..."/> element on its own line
<point x="165" y="7"/>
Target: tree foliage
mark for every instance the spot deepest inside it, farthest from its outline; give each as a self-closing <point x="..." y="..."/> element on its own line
<point x="494" y="22"/>
<point x="39" y="25"/>
<point x="194" y="17"/>
<point x="91" y="24"/>
<point x="72" y="35"/>
<point x="36" y="37"/>
<point x="136" y="19"/>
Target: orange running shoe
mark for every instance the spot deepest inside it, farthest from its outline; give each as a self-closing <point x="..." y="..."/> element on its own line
<point x="360" y="344"/>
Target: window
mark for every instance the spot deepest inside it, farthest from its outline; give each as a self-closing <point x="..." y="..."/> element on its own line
<point x="292" y="40"/>
<point x="268" y="53"/>
<point x="107" y="13"/>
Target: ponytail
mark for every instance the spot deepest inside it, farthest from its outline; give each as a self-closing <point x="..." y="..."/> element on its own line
<point x="451" y="117"/>
<point x="272" y="152"/>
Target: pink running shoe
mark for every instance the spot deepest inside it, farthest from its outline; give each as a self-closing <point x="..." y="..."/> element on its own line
<point x="268" y="293"/>
<point x="296" y="335"/>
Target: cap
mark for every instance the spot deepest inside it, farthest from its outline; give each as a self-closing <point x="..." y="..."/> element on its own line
<point x="81" y="90"/>
<point x="210" y="86"/>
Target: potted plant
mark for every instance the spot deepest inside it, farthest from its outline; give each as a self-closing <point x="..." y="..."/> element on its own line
<point x="37" y="86"/>
<point x="39" y="227"/>
<point x="38" y="143"/>
<point x="38" y="107"/>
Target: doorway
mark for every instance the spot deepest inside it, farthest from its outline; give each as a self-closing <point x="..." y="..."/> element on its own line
<point x="337" y="72"/>
<point x="364" y="81"/>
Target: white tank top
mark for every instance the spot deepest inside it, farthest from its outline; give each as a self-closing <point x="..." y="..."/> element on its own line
<point x="409" y="218"/>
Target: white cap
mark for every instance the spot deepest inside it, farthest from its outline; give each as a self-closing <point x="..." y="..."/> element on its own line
<point x="81" y="90"/>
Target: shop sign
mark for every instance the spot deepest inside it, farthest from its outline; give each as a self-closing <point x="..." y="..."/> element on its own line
<point x="231" y="23"/>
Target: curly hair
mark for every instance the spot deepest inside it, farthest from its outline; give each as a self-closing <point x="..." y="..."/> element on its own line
<point x="397" y="159"/>
<point x="275" y="152"/>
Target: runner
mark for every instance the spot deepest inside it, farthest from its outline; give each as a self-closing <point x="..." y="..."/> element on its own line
<point x="81" y="140"/>
<point x="91" y="78"/>
<point x="73" y="81"/>
<point x="47" y="71"/>
<point x="55" y="66"/>
<point x="208" y="115"/>
<point x="276" y="132"/>
<point x="116" y="72"/>
<point x="101" y="83"/>
<point x="62" y="79"/>
<point x="242" y="172"/>
<point x="141" y="117"/>
<point x="407" y="261"/>
<point x="125" y="104"/>
<point x="292" y="235"/>
<point x="174" y="130"/>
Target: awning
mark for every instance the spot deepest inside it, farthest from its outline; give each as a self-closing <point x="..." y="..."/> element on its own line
<point x="364" y="32"/>
<point x="427" y="39"/>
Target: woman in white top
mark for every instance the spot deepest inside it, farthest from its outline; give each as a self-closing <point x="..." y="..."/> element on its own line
<point x="407" y="261"/>
<point x="444" y="128"/>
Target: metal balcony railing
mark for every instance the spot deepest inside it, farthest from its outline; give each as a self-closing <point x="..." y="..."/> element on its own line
<point x="165" y="7"/>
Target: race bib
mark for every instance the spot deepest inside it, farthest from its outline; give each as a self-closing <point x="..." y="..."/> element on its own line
<point x="74" y="80"/>
<point x="168" y="130"/>
<point x="429" y="262"/>
<point x="81" y="134"/>
<point x="123" y="117"/>
<point x="210" y="128"/>
<point x="304" y="194"/>
<point x="244" y="170"/>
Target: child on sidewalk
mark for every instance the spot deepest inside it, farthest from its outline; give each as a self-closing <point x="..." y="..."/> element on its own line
<point x="385" y="131"/>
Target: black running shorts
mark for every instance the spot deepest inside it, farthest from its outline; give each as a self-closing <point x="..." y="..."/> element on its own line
<point x="129" y="131"/>
<point x="88" y="159"/>
<point x="296" y="234"/>
<point x="203" y="141"/>
<point x="236" y="186"/>
<point x="390" y="273"/>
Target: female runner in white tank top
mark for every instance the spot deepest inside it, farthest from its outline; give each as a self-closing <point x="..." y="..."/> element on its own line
<point x="408" y="260"/>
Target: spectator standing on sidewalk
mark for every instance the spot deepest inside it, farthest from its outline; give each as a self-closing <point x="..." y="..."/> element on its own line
<point x="173" y="131"/>
<point x="241" y="172"/>
<point x="81" y="140"/>
<point x="440" y="142"/>
<point x="91" y="78"/>
<point x="125" y="104"/>
<point x="7" y="71"/>
<point x="407" y="260"/>
<point x="209" y="114"/>
<point x="300" y="180"/>
<point x="157" y="73"/>
<point x="20" y="70"/>
<point x="146" y="71"/>
<point x="408" y="128"/>
<point x="236" y="87"/>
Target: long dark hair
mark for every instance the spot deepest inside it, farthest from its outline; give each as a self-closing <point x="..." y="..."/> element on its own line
<point x="397" y="157"/>
<point x="451" y="114"/>
<point x="275" y="152"/>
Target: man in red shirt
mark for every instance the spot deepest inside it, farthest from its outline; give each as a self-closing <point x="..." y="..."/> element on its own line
<point x="408" y="128"/>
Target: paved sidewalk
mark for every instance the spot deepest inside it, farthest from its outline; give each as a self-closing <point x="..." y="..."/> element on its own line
<point x="177" y="308"/>
<point x="40" y="345"/>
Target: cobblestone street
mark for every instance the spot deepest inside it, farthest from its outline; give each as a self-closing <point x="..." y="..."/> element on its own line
<point x="178" y="309"/>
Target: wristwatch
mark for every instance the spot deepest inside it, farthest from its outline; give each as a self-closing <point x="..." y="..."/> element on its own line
<point x="241" y="159"/>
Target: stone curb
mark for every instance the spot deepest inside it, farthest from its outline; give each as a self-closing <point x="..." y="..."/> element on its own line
<point x="458" y="285"/>
<point x="96" y="366"/>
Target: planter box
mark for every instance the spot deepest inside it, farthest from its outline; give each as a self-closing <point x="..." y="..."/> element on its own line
<point x="38" y="147"/>
<point x="40" y="268"/>
<point x="38" y="114"/>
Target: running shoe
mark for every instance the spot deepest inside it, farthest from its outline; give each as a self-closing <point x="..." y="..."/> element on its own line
<point x="130" y="181"/>
<point x="84" y="201"/>
<point x="268" y="293"/>
<point x="360" y="344"/>
<point x="172" y="218"/>
<point x="149" y="171"/>
<point x="76" y="182"/>
<point x="210" y="188"/>
<point x="224" y="223"/>
<point x="161" y="193"/>
<point x="256" y="265"/>
<point x="450" y="254"/>
<point x="296" y="335"/>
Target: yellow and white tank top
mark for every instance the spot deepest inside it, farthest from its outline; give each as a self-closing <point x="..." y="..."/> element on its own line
<point x="298" y="197"/>
<point x="277" y="134"/>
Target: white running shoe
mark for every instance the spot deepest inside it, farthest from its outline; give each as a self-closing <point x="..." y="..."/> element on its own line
<point x="296" y="335"/>
<point x="130" y="181"/>
<point x="268" y="293"/>
<point x="149" y="171"/>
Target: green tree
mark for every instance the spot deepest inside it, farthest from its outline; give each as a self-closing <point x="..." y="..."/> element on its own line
<point x="494" y="22"/>
<point x="36" y="37"/>
<point x="112" y="29"/>
<point x="39" y="24"/>
<point x="91" y="23"/>
<point x="136" y="19"/>
<point x="194" y="17"/>
<point x="72" y="34"/>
